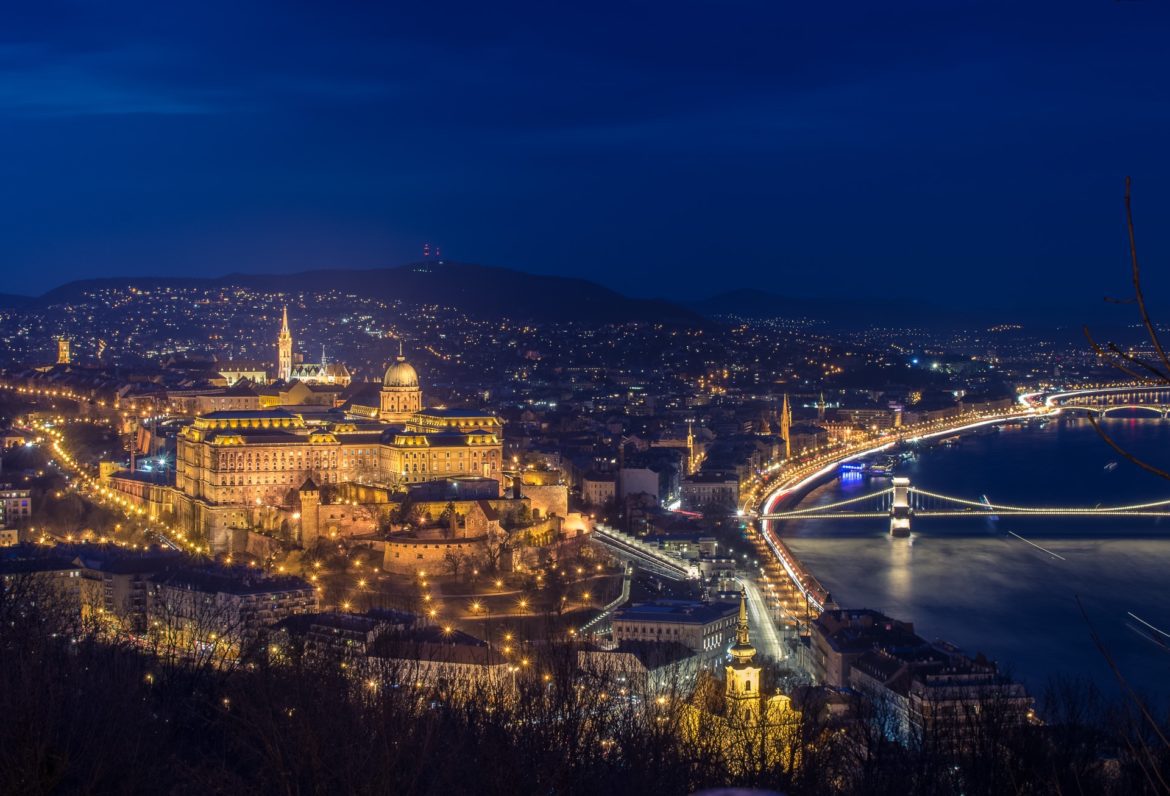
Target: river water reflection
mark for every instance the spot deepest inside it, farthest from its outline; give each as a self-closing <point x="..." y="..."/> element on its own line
<point x="968" y="581"/>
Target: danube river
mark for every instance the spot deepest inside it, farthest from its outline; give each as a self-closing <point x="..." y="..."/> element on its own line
<point x="970" y="582"/>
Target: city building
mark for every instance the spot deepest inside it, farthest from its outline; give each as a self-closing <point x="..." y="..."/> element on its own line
<point x="639" y="481"/>
<point x="598" y="489"/>
<point x="233" y="371"/>
<point x="710" y="489"/>
<point x="47" y="577"/>
<point x="241" y="396"/>
<point x="438" y="657"/>
<point x="642" y="667"/>
<point x="323" y="372"/>
<point x="936" y="694"/>
<point x="116" y="584"/>
<point x="230" y="604"/>
<point x="705" y="628"/>
<point x="337" y="635"/>
<point x="15" y="505"/>
<point x="841" y="636"/>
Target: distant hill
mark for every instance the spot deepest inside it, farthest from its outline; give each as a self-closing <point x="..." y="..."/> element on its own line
<point x="478" y="290"/>
<point x="491" y="292"/>
<point x="12" y="301"/>
<point x="849" y="313"/>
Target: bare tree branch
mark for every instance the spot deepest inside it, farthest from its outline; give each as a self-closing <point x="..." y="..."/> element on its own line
<point x="1114" y="352"/>
<point x="1126" y="454"/>
<point x="1137" y="281"/>
<point x="1100" y="645"/>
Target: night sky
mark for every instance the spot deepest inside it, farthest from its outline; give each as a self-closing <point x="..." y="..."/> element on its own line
<point x="969" y="150"/>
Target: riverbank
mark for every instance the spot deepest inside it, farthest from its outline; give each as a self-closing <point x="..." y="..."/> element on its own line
<point x="793" y="484"/>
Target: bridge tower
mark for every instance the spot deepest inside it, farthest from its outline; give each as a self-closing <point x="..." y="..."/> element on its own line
<point x="900" y="508"/>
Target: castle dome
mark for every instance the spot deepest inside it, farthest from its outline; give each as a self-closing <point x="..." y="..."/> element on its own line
<point x="400" y="373"/>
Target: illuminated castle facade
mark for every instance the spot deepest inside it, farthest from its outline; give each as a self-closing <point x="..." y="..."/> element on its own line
<point x="230" y="465"/>
<point x="401" y="396"/>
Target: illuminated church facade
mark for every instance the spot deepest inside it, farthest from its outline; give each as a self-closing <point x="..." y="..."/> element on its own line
<point x="755" y="729"/>
<point x="290" y="366"/>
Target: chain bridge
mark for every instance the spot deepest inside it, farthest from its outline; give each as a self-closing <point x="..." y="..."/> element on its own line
<point x="902" y="501"/>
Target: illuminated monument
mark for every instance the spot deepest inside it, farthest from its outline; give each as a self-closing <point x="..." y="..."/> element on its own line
<point x="239" y="469"/>
<point x="284" y="353"/>
<point x="752" y="728"/>
<point x="401" y="396"/>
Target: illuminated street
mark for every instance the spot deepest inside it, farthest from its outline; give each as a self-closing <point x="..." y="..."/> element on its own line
<point x="767" y="638"/>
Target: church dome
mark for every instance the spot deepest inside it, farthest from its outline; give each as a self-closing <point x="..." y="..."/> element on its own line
<point x="400" y="374"/>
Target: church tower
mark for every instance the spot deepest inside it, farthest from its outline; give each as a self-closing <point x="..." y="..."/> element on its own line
<point x="62" y="351"/>
<point x="401" y="395"/>
<point x="786" y="427"/>
<point x="284" y="354"/>
<point x="690" y="447"/>
<point x="743" y="676"/>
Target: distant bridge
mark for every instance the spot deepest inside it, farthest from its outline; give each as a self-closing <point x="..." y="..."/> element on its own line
<point x="902" y="501"/>
<point x="1103" y="400"/>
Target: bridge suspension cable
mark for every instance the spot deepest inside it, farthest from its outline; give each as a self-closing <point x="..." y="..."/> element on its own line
<point x="1032" y="512"/>
<point x="1129" y="509"/>
<point x="829" y="506"/>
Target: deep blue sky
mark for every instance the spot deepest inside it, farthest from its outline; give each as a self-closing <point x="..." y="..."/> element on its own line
<point x="672" y="148"/>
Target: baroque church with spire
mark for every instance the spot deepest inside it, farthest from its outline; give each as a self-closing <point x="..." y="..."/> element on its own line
<point x="756" y="729"/>
<point x="232" y="466"/>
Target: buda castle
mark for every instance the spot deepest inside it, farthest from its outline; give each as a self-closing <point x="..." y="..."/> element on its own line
<point x="232" y="464"/>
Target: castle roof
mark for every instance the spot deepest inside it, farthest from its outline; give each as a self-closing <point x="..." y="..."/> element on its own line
<point x="401" y="373"/>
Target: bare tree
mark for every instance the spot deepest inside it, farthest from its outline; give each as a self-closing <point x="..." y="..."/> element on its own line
<point x="1153" y="370"/>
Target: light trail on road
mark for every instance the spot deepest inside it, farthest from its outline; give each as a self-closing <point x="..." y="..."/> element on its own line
<point x="765" y="638"/>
